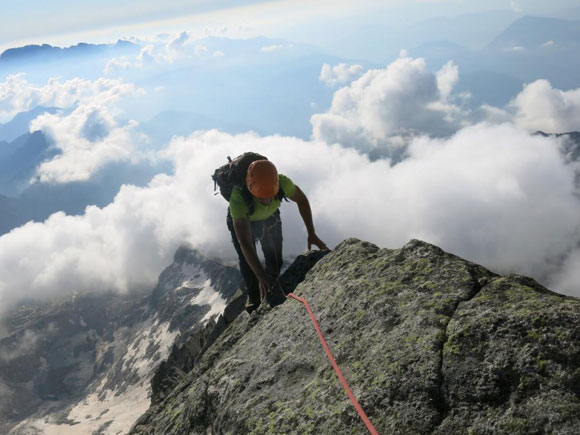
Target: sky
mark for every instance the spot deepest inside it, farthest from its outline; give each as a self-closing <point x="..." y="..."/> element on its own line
<point x="63" y="22"/>
<point x="386" y="150"/>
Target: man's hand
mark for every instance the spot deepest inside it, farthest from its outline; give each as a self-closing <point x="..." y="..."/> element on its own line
<point x="267" y="282"/>
<point x="314" y="240"/>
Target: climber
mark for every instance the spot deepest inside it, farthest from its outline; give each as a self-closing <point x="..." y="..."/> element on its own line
<point x="255" y="191"/>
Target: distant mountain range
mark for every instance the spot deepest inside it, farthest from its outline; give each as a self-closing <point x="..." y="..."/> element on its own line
<point x="529" y="32"/>
<point x="529" y="49"/>
<point x="47" y="52"/>
<point x="19" y="124"/>
<point x="20" y="158"/>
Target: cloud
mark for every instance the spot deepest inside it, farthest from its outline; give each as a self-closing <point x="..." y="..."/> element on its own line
<point x="26" y="344"/>
<point x="515" y="5"/>
<point x="18" y="95"/>
<point x="165" y="50"/>
<point x="493" y="194"/>
<point x="87" y="136"/>
<point x="200" y="50"/>
<point x="271" y="48"/>
<point x="383" y="108"/>
<point x="541" y="107"/>
<point x="88" y="139"/>
<point x="117" y="64"/>
<point x="515" y="48"/>
<point x="549" y="43"/>
<point x="339" y="74"/>
<point x="446" y="79"/>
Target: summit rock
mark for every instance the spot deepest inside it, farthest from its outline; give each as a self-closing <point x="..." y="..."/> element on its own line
<point x="429" y="343"/>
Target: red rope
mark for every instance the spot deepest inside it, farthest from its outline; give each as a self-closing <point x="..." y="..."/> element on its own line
<point x="359" y="409"/>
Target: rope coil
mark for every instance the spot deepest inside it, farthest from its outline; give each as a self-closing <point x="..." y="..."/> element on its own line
<point x="358" y="408"/>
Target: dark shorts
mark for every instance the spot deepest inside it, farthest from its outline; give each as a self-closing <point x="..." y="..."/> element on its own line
<point x="269" y="233"/>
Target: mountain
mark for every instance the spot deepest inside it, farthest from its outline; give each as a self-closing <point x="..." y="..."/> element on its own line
<point x="535" y="31"/>
<point x="487" y="87"/>
<point x="429" y="343"/>
<point x="85" y="362"/>
<point x="535" y="47"/>
<point x="33" y="200"/>
<point x="19" y="160"/>
<point x="529" y="49"/>
<point x="48" y="53"/>
<point x="19" y="124"/>
<point x="471" y="30"/>
<point x="9" y="218"/>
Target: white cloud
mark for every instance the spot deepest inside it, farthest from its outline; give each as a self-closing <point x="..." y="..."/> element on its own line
<point x="339" y="74"/>
<point x="549" y="43"/>
<point x="384" y="106"/>
<point x="117" y="64"/>
<point x="541" y="107"/>
<point x="515" y="5"/>
<point x="447" y="76"/>
<point x="493" y="194"/>
<point x="200" y="50"/>
<point x="515" y="48"/>
<point x="165" y="49"/>
<point x="271" y="48"/>
<point x="19" y="95"/>
<point x="178" y="41"/>
<point x="146" y="55"/>
<point x="88" y="138"/>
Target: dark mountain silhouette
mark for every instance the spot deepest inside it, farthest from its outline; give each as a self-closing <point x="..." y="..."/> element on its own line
<point x="46" y="53"/>
<point x="19" y="160"/>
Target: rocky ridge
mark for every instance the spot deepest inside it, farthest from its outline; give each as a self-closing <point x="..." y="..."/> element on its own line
<point x="429" y="343"/>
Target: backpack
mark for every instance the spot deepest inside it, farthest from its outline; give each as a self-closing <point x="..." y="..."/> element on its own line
<point x="233" y="174"/>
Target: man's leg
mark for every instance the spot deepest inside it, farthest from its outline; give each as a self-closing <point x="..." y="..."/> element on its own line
<point x="252" y="285"/>
<point x="271" y="241"/>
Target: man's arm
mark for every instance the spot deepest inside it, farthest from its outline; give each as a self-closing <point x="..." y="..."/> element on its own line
<point x="244" y="235"/>
<point x="304" y="208"/>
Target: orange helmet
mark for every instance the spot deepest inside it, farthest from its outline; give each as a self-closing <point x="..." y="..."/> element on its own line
<point x="262" y="179"/>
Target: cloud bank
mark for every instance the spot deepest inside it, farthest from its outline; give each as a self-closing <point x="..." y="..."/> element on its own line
<point x="493" y="194"/>
<point x="19" y="95"/>
<point x="488" y="191"/>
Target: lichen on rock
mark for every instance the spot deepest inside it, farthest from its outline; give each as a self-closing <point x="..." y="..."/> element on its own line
<point x="428" y="342"/>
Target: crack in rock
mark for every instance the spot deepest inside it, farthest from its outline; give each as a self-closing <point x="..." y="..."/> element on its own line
<point x="479" y="283"/>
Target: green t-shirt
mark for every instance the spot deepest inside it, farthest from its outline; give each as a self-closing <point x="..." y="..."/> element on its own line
<point x="239" y="209"/>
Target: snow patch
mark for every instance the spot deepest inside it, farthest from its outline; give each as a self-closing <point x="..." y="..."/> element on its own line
<point x="92" y="413"/>
<point x="155" y="335"/>
<point x="209" y="296"/>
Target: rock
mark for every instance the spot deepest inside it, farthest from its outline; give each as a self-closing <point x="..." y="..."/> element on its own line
<point x="428" y="342"/>
<point x="85" y="354"/>
<point x="184" y="355"/>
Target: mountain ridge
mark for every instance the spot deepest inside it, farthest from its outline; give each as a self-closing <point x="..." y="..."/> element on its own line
<point x="429" y="343"/>
<point x="49" y="52"/>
